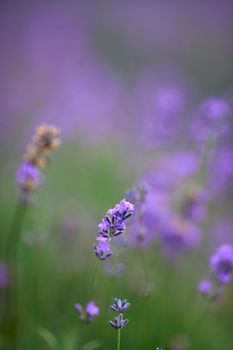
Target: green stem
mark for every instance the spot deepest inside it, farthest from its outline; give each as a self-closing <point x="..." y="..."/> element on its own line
<point x="118" y="339"/>
<point x="9" y="316"/>
<point x="15" y="231"/>
<point x="92" y="281"/>
<point x="91" y="287"/>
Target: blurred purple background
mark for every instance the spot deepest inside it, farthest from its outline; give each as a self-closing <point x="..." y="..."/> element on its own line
<point x="104" y="69"/>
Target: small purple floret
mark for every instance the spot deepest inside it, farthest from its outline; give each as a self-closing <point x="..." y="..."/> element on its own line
<point x="118" y="322"/>
<point x="120" y="305"/>
<point x="89" y="312"/>
<point x="102" y="249"/>
<point x="28" y="176"/>
<point x="92" y="310"/>
<point x="205" y="287"/>
<point x="114" y="222"/>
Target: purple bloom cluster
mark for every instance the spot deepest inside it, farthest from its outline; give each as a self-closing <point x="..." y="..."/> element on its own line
<point x="179" y="234"/>
<point x="28" y="176"/>
<point x="221" y="263"/>
<point x="205" y="287"/>
<point x="113" y="224"/>
<point x="118" y="322"/>
<point x="144" y="222"/>
<point x="119" y="306"/>
<point x="213" y="119"/>
<point x="194" y="203"/>
<point x="90" y="311"/>
<point x="102" y="249"/>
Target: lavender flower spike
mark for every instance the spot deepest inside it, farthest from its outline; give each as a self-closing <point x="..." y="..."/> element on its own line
<point x="222" y="263"/>
<point x="114" y="222"/>
<point x="120" y="305"/>
<point x="102" y="249"/>
<point x="118" y="322"/>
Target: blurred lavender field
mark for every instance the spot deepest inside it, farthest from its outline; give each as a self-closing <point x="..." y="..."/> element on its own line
<point x="135" y="100"/>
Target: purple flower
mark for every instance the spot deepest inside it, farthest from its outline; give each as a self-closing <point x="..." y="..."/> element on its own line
<point x="89" y="312"/>
<point x="222" y="263"/>
<point x="137" y="194"/>
<point x="179" y="234"/>
<point x="113" y="223"/>
<point x="145" y="224"/>
<point x="194" y="206"/>
<point x="4" y="279"/>
<point x="118" y="322"/>
<point x="28" y="177"/>
<point x="222" y="170"/>
<point x="102" y="249"/>
<point x="205" y="287"/>
<point x="124" y="209"/>
<point x="120" y="305"/>
<point x="215" y="108"/>
<point x="92" y="310"/>
<point x="213" y="118"/>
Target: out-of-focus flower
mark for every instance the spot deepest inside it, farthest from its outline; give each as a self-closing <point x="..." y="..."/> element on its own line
<point x="43" y="143"/>
<point x="118" y="322"/>
<point x="159" y="104"/>
<point x="102" y="249"/>
<point x="205" y="287"/>
<point x="36" y="158"/>
<point x="221" y="263"/>
<point x="194" y="202"/>
<point x="90" y="311"/>
<point x="215" y="108"/>
<point x="120" y="305"/>
<point x="184" y="163"/>
<point x="4" y="278"/>
<point x="114" y="270"/>
<point x="150" y="208"/>
<point x="46" y="140"/>
<point x="28" y="177"/>
<point x="213" y="118"/>
<point x="137" y="194"/>
<point x="222" y="170"/>
<point x="171" y="171"/>
<point x="178" y="234"/>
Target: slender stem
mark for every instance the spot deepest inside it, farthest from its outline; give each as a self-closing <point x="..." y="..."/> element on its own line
<point x="118" y="339"/>
<point x="91" y="287"/>
<point x="9" y="316"/>
<point x="15" y="231"/>
<point x="92" y="281"/>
